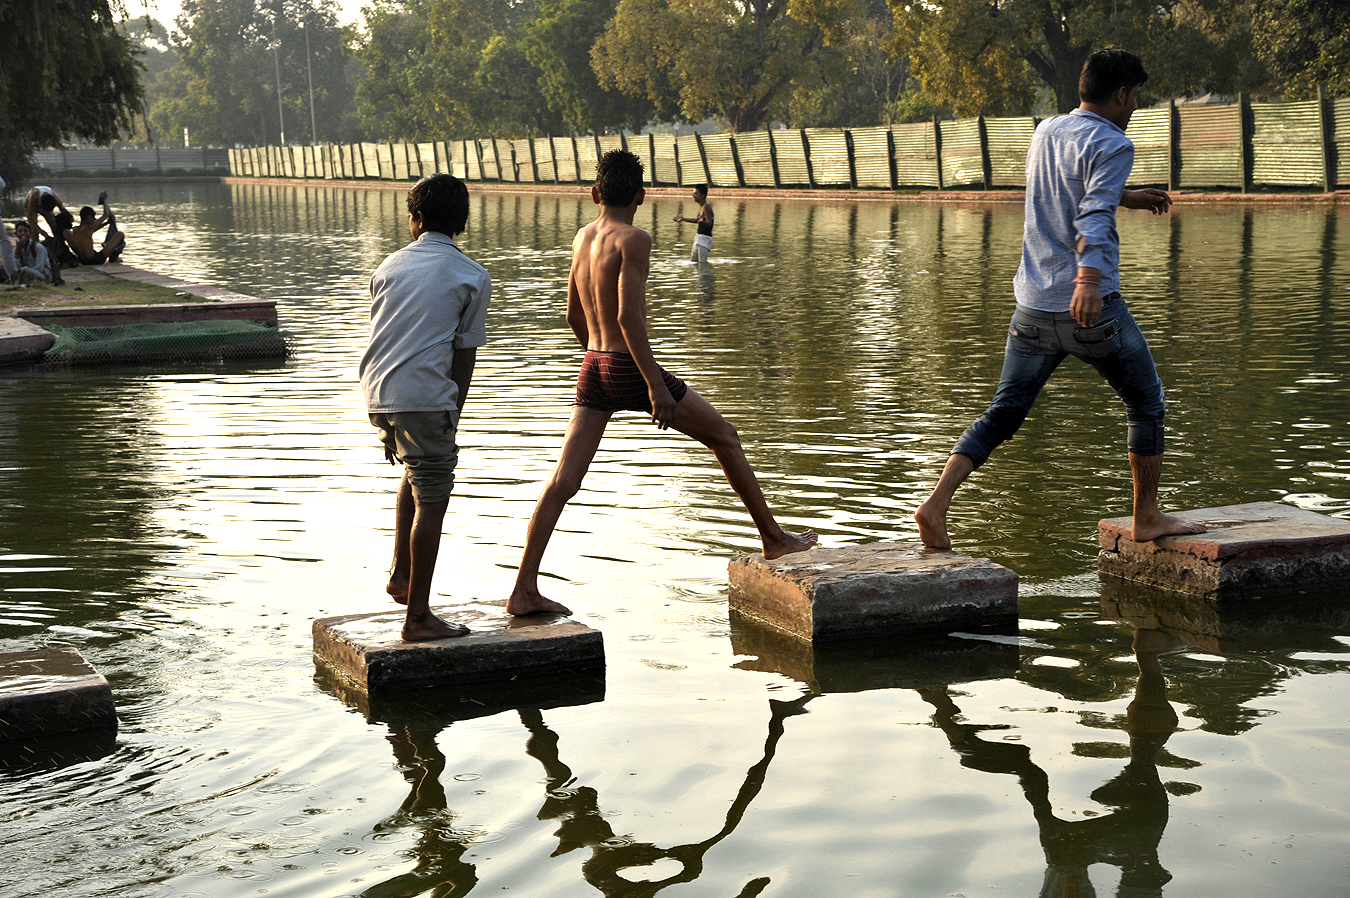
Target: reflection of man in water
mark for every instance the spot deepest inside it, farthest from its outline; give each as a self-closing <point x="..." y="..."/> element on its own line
<point x="1068" y="293"/>
<point x="1127" y="837"/>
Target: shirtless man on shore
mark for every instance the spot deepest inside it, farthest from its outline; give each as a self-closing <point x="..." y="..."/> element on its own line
<point x="607" y="311"/>
<point x="81" y="237"/>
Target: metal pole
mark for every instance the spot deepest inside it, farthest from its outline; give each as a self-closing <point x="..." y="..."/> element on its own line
<point x="281" y="118"/>
<point x="309" y="68"/>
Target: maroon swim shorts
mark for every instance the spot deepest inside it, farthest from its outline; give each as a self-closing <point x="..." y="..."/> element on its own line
<point x="611" y="382"/>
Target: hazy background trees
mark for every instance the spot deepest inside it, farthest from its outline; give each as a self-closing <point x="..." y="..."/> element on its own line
<point x="444" y="69"/>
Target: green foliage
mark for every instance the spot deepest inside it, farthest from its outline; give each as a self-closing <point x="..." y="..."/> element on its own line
<point x="708" y="58"/>
<point x="993" y="56"/>
<point x="1305" y="43"/>
<point x="223" y="88"/>
<point x="68" y="74"/>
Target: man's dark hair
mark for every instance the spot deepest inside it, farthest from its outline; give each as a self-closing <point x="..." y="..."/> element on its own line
<point x="65" y="221"/>
<point x="1106" y="72"/>
<point x="47" y="201"/>
<point x="618" y="177"/>
<point x="701" y="188"/>
<point x="86" y="213"/>
<point x="443" y="202"/>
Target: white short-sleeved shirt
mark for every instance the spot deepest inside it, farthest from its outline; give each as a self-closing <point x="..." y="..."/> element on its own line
<point x="427" y="300"/>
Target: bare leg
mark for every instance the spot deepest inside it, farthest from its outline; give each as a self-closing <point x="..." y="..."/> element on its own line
<point x="584" y="431"/>
<point x="404" y="508"/>
<point x="424" y="545"/>
<point x="695" y="417"/>
<point x="932" y="514"/>
<point x="1149" y="522"/>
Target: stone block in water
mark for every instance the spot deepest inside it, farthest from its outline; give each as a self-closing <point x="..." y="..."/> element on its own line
<point x="367" y="650"/>
<point x="1261" y="549"/>
<point x="47" y="691"/>
<point x="876" y="589"/>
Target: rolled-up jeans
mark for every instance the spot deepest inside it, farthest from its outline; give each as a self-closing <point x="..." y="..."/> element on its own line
<point x="1038" y="342"/>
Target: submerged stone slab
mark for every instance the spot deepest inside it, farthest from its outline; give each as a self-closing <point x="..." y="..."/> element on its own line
<point x="1250" y="551"/>
<point x="873" y="590"/>
<point x="23" y="341"/>
<point x="48" y="691"/>
<point x="367" y="650"/>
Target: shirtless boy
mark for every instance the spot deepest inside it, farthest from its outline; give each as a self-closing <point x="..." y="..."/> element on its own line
<point x="81" y="237"/>
<point x="42" y="201"/>
<point x="607" y="311"/>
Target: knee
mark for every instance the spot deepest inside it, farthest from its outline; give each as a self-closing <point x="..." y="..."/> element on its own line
<point x="561" y="487"/>
<point x="723" y="436"/>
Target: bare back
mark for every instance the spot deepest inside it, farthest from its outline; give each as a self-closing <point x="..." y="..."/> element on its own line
<point x="607" y="289"/>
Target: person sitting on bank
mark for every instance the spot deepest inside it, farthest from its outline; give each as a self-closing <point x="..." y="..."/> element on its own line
<point x="31" y="257"/>
<point x="81" y="237"/>
<point x="703" y="239"/>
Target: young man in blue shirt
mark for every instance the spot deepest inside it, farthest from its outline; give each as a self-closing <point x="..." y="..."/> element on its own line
<point x="1068" y="293"/>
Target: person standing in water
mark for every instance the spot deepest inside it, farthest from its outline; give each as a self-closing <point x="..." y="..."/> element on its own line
<point x="703" y="239"/>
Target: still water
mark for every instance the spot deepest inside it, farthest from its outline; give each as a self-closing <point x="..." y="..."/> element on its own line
<point x="183" y="526"/>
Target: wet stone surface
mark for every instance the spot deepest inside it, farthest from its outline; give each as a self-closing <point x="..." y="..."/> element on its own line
<point x="366" y="649"/>
<point x="876" y="589"/>
<point x="54" y="690"/>
<point x="1260" y="549"/>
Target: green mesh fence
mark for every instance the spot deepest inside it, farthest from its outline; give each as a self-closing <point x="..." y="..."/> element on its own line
<point x="179" y="341"/>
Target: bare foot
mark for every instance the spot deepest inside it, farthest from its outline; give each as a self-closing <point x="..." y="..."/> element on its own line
<point x="933" y="526"/>
<point x="789" y="543"/>
<point x="1159" y="524"/>
<point x="529" y="601"/>
<point x="398" y="590"/>
<point x="427" y="626"/>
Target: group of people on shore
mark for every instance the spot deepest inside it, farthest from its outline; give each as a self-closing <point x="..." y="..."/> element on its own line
<point x="37" y="255"/>
<point x="429" y="310"/>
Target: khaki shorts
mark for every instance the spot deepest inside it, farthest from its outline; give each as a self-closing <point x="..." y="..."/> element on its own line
<point x="425" y="443"/>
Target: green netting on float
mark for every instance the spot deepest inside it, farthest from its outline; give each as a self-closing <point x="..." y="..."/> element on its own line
<point x="177" y="341"/>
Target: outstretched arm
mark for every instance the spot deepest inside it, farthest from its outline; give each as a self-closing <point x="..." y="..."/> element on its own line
<point x="1150" y="198"/>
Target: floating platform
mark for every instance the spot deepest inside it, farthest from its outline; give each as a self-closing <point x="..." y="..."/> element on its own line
<point x="49" y="691"/>
<point x="366" y="649"/>
<point x="878" y="589"/>
<point x="1257" y="550"/>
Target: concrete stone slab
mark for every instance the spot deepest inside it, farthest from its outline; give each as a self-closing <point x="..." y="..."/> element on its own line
<point x="876" y="589"/>
<point x="441" y="705"/>
<point x="861" y="665"/>
<point x="366" y="648"/>
<point x="237" y="308"/>
<point x="22" y="341"/>
<point x="1250" y="551"/>
<point x="1309" y="620"/>
<point x="47" y="691"/>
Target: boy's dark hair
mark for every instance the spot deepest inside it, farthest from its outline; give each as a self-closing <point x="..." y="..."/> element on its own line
<point x="443" y="202"/>
<point x="86" y="213"/>
<point x="47" y="201"/>
<point x="65" y="221"/>
<point x="701" y="188"/>
<point x="618" y="177"/>
<point x="1106" y="72"/>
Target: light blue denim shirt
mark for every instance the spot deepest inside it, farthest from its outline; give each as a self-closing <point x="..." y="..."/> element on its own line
<point x="1076" y="170"/>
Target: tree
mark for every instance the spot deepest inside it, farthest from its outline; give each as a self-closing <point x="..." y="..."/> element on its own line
<point x="859" y="75"/>
<point x="558" y="43"/>
<point x="1305" y="43"/>
<point x="731" y="59"/>
<point x="68" y="73"/>
<point x="993" y="56"/>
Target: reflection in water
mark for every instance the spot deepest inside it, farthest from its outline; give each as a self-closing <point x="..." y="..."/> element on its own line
<point x="1127" y="837"/>
<point x="182" y="527"/>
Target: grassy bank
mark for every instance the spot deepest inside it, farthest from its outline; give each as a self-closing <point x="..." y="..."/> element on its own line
<point x="89" y="286"/>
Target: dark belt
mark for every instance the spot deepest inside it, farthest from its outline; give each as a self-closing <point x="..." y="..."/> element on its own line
<point x="1110" y="296"/>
